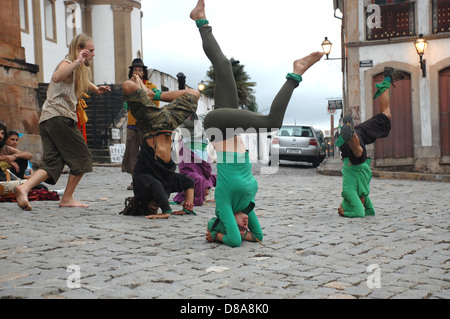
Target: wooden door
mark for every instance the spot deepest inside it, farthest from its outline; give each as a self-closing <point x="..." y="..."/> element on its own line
<point x="399" y="144"/>
<point x="444" y="111"/>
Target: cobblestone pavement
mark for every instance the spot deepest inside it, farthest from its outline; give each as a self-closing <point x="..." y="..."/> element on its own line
<point x="309" y="250"/>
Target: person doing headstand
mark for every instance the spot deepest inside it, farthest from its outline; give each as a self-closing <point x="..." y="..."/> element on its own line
<point x="236" y="186"/>
<point x="356" y="172"/>
<point x="154" y="176"/>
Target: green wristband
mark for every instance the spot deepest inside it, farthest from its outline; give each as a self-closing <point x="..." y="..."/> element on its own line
<point x="157" y="96"/>
<point x="293" y="76"/>
<point x="190" y="212"/>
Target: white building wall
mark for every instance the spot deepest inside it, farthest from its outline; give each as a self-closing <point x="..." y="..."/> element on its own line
<point x="53" y="52"/>
<point x="103" y="37"/>
<point x="136" y="33"/>
<point x="28" y="38"/>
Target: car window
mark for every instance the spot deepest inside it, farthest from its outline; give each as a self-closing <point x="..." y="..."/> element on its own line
<point x="297" y="131"/>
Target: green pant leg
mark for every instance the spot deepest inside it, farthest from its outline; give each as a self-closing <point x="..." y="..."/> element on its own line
<point x="352" y="204"/>
<point x="370" y="210"/>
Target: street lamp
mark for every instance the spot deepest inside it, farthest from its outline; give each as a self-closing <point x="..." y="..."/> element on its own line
<point x="326" y="47"/>
<point x="421" y="46"/>
<point x="201" y="86"/>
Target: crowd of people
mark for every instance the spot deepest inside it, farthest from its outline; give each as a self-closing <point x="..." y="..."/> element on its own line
<point x="148" y="155"/>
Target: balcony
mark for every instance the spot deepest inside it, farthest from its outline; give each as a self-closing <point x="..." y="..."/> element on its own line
<point x="397" y="20"/>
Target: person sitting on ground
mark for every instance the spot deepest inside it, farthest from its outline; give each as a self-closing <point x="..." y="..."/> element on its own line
<point x="352" y="141"/>
<point x="194" y="160"/>
<point x="10" y="157"/>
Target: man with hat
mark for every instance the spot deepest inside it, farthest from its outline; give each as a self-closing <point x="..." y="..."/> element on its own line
<point x="134" y="137"/>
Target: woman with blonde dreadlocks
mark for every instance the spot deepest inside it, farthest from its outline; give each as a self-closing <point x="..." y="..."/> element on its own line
<point x="62" y="141"/>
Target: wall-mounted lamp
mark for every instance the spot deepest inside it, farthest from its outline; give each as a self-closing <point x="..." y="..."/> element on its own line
<point x="421" y="46"/>
<point x="201" y="86"/>
<point x="326" y="47"/>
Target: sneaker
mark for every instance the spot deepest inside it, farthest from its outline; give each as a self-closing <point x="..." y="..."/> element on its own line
<point x="394" y="74"/>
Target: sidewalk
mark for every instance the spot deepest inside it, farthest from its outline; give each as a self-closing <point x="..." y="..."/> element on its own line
<point x="332" y="166"/>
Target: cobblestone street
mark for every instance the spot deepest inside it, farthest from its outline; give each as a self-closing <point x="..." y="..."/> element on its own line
<point x="309" y="250"/>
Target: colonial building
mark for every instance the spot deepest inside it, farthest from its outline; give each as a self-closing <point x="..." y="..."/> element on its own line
<point x="379" y="33"/>
<point x="35" y="36"/>
<point x="48" y="26"/>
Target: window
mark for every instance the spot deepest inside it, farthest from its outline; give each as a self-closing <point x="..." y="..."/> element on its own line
<point x="50" y="20"/>
<point x="441" y="16"/>
<point x="23" y="7"/>
<point x="397" y="20"/>
<point x="295" y="131"/>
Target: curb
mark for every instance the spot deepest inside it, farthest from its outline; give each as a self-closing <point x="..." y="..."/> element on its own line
<point x="334" y="169"/>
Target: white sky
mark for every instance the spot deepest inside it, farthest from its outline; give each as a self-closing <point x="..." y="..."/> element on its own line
<point x="265" y="36"/>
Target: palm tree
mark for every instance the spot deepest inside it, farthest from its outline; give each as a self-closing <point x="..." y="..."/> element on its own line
<point x="244" y="86"/>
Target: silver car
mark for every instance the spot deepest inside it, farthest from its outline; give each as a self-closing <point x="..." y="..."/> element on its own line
<point x="296" y="143"/>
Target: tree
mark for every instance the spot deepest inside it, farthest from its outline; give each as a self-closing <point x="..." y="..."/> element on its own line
<point x="244" y="87"/>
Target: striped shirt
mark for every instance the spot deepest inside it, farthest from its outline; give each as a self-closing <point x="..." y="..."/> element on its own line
<point x="61" y="100"/>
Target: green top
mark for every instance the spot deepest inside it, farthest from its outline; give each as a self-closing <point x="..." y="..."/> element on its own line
<point x="235" y="191"/>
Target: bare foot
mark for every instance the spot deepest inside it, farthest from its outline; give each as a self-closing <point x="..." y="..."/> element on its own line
<point x="71" y="203"/>
<point x="301" y="65"/>
<point x="341" y="211"/>
<point x="129" y="87"/>
<point x="199" y="11"/>
<point x="22" y="198"/>
<point x="158" y="216"/>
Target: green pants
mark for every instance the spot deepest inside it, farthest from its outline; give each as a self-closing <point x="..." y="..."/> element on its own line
<point x="226" y="113"/>
<point x="356" y="186"/>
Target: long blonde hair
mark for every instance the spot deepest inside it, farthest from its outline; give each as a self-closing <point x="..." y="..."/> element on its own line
<point x="82" y="74"/>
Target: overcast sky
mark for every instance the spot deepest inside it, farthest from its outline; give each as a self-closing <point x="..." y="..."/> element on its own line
<point x="265" y="36"/>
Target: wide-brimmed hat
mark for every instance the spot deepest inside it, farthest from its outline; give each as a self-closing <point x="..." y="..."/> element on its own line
<point x="137" y="63"/>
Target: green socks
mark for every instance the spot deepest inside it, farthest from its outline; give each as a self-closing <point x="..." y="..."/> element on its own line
<point x="293" y="76"/>
<point x="201" y="22"/>
<point x="383" y="86"/>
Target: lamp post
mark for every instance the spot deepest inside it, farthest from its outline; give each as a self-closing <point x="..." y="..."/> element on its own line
<point x="421" y="46"/>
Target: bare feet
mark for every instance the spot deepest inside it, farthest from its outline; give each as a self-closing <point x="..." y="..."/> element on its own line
<point x="199" y="11"/>
<point x="22" y="198"/>
<point x="341" y="211"/>
<point x="301" y="65"/>
<point x="71" y="203"/>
